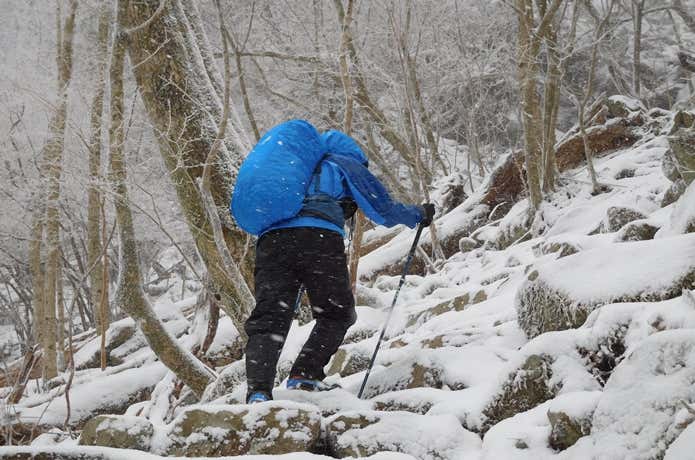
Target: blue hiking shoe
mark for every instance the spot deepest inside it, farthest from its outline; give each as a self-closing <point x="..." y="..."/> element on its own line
<point x="258" y="397"/>
<point x="297" y="382"/>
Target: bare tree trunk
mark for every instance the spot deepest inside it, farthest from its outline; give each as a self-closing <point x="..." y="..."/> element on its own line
<point x="131" y="297"/>
<point x="530" y="37"/>
<point x="175" y="100"/>
<point x="551" y="109"/>
<point x="637" y="7"/>
<point x="95" y="177"/>
<point x="682" y="11"/>
<point x="53" y="157"/>
<point x="36" y="263"/>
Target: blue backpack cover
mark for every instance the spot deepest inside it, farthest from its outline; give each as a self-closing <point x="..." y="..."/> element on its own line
<point x="273" y="179"/>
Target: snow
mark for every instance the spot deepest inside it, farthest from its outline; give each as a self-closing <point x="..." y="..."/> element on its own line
<point x="626" y="269"/>
<point x="636" y="413"/>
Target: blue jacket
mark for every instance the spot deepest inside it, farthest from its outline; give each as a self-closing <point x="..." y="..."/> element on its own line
<point x="343" y="176"/>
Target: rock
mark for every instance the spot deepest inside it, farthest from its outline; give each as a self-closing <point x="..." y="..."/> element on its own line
<point x="617" y="217"/>
<point x="673" y="193"/>
<point x="456" y="304"/>
<point x="505" y="185"/>
<point x="636" y="231"/>
<point x="625" y="173"/>
<point x="682" y="144"/>
<point x="361" y="434"/>
<point x="514" y="229"/>
<point x="227" y="346"/>
<point x="271" y="428"/>
<point x="403" y="376"/>
<point x="525" y="388"/>
<point x="349" y="360"/>
<point x="228" y="379"/>
<point x="561" y="248"/>
<point x="669" y="166"/>
<point x="566" y="431"/>
<point x="416" y="401"/>
<point x="682" y="119"/>
<point x="682" y="219"/>
<point x="560" y="294"/>
<point x="116" y="335"/>
<point x="623" y="107"/>
<point x="643" y="418"/>
<point x="453" y="193"/>
<point x="614" y="134"/>
<point x="467" y="244"/>
<point x="121" y="431"/>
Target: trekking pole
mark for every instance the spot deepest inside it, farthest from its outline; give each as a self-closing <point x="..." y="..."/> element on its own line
<point x="390" y="312"/>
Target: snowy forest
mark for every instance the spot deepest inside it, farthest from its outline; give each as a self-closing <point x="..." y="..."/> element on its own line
<point x="549" y="309"/>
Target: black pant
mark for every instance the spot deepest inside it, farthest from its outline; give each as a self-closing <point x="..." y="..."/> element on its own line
<point x="286" y="259"/>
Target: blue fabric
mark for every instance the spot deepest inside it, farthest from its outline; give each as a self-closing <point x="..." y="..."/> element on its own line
<point x="277" y="179"/>
<point x="273" y="179"/>
<point x="339" y="143"/>
<point x="331" y="183"/>
<point x="373" y="198"/>
<point x="363" y="187"/>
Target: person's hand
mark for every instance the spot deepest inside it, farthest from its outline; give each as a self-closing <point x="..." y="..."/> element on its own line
<point x="427" y="214"/>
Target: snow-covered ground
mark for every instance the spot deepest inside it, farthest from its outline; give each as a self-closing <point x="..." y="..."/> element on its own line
<point x="455" y="348"/>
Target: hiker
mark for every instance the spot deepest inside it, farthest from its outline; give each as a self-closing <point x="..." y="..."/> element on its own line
<point x="307" y="250"/>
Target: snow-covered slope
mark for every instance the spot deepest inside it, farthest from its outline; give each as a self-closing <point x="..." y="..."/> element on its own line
<point x="463" y="373"/>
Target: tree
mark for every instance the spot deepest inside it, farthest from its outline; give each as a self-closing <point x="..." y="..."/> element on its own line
<point x="98" y="284"/>
<point x="533" y="27"/>
<point x="131" y="297"/>
<point x="46" y="217"/>
<point x="184" y="109"/>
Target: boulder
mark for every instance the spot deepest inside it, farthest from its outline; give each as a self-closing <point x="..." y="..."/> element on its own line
<point x="673" y="193"/>
<point x="402" y="376"/>
<point x="669" y="166"/>
<point x="682" y="119"/>
<point x="625" y="173"/>
<point x="121" y="431"/>
<point x="348" y="360"/>
<point x="416" y="400"/>
<point x="524" y="389"/>
<point x="682" y="219"/>
<point x="456" y="304"/>
<point x="682" y="144"/>
<point x="560" y="294"/>
<point x="364" y="433"/>
<point x="561" y="248"/>
<point x="641" y="420"/>
<point x="617" y="217"/>
<point x="565" y="431"/>
<point x="467" y="244"/>
<point x="639" y="230"/>
<point x="623" y="107"/>
<point x="614" y="134"/>
<point x="116" y="335"/>
<point x="570" y="418"/>
<point x="227" y="381"/>
<point x="271" y="428"/>
<point x="514" y="228"/>
<point x="48" y="452"/>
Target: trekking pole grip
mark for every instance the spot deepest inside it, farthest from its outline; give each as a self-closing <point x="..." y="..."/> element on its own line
<point x="408" y="261"/>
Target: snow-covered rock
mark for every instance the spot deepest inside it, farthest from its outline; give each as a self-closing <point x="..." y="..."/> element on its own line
<point x="638" y="414"/>
<point x="560" y="294"/>
<point x="272" y="427"/>
<point x="123" y="432"/>
<point x="357" y="434"/>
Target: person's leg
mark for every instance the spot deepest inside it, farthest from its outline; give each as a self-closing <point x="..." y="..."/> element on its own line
<point x="267" y="327"/>
<point x="325" y="277"/>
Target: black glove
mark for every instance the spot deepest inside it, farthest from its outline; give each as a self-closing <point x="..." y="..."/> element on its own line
<point x="427" y="214"/>
<point x="349" y="207"/>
